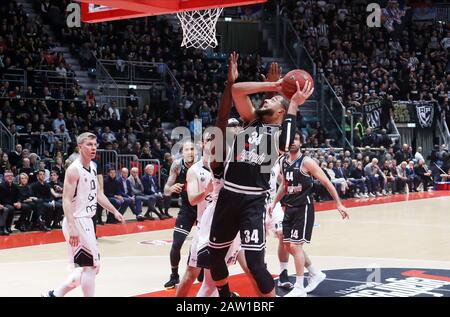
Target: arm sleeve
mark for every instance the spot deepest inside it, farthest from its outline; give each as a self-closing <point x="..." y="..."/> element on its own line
<point x="287" y="133"/>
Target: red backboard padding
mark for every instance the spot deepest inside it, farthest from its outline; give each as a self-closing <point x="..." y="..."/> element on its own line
<point x="127" y="9"/>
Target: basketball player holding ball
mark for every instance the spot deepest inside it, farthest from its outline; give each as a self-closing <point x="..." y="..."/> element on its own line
<point x="241" y="205"/>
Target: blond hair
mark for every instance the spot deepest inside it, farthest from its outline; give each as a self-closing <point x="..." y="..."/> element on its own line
<point x="85" y="136"/>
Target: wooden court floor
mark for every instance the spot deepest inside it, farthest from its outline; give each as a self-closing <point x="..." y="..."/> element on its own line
<point x="408" y="232"/>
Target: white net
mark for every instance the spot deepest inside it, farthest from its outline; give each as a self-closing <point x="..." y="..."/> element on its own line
<point x="199" y="27"/>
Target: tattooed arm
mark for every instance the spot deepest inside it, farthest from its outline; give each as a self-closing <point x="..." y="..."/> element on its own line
<point x="172" y="187"/>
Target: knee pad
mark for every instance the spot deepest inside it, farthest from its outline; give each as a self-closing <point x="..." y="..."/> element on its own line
<point x="218" y="267"/>
<point x="256" y="265"/>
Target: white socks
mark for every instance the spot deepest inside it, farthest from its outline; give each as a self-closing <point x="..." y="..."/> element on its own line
<point x="312" y="270"/>
<point x="283" y="266"/>
<point x="299" y="281"/>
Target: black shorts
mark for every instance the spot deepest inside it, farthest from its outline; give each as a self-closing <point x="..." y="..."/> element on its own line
<point x="239" y="212"/>
<point x="186" y="218"/>
<point x="298" y="223"/>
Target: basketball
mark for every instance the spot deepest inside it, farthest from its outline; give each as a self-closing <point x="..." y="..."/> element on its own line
<point x="288" y="84"/>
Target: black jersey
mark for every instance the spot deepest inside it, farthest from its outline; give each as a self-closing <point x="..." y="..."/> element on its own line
<point x="251" y="159"/>
<point x="181" y="178"/>
<point x="298" y="185"/>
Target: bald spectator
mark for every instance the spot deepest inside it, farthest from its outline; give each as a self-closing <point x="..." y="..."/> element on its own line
<point x="424" y="174"/>
<point x="152" y="189"/>
<point x="26" y="167"/>
<point x="127" y="194"/>
<point x="375" y="178"/>
<point x="402" y="179"/>
<point x="418" y="156"/>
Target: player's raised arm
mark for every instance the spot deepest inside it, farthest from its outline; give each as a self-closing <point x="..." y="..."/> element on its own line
<point x="224" y="113"/>
<point x="242" y="91"/>
<point x="70" y="185"/>
<point x="171" y="186"/>
<point x="289" y="124"/>
<point x="226" y="99"/>
<point x="314" y="169"/>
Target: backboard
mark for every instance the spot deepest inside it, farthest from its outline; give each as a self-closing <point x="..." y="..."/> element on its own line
<point x="108" y="10"/>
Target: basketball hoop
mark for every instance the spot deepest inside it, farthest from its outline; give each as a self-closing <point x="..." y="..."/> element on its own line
<point x="199" y="27"/>
<point x="198" y="18"/>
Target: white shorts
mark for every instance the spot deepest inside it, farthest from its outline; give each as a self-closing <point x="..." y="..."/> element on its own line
<point x="275" y="223"/>
<point x="199" y="254"/>
<point x="86" y="253"/>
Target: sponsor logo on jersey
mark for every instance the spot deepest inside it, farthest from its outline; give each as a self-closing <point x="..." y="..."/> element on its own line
<point x="251" y="157"/>
<point x="294" y="189"/>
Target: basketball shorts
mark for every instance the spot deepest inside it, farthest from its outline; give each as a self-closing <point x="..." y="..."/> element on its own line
<point x="186" y="218"/>
<point x="236" y="212"/>
<point x="199" y="254"/>
<point x="86" y="253"/>
<point x="298" y="223"/>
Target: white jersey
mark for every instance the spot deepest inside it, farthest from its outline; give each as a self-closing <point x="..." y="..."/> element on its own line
<point x="275" y="221"/>
<point x="200" y="240"/>
<point x="276" y="170"/>
<point x="84" y="202"/>
<point x="204" y="177"/>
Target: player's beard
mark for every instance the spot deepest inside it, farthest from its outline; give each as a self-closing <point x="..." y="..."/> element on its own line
<point x="261" y="113"/>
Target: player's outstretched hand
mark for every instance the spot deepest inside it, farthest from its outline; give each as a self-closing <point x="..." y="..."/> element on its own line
<point x="233" y="72"/>
<point x="301" y="95"/>
<point x="343" y="211"/>
<point x="274" y="73"/>
<point x="119" y="217"/>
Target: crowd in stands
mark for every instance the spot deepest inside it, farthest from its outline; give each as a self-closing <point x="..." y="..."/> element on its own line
<point x="377" y="172"/>
<point x="156" y="40"/>
<point x="32" y="188"/>
<point x="409" y="61"/>
<point x="27" y="50"/>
